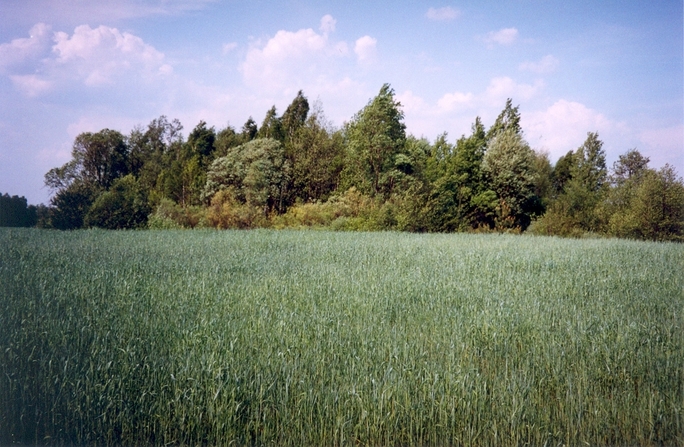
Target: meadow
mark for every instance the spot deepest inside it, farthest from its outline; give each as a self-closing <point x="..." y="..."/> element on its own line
<point x="331" y="338"/>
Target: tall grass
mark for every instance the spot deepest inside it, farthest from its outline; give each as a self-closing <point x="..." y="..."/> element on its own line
<point x="319" y="338"/>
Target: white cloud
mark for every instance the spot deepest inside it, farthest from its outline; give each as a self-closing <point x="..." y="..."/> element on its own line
<point x="327" y="24"/>
<point x="454" y="112"/>
<point x="228" y="47"/>
<point x="24" y="50"/>
<point x="442" y="14"/>
<point x="100" y="54"/>
<point x="564" y="125"/>
<point x="456" y="100"/>
<point x="31" y="85"/>
<point x="505" y="36"/>
<point x="94" y="57"/>
<point x="501" y="88"/>
<point x="285" y="57"/>
<point x="365" y="49"/>
<point x="547" y="64"/>
<point x="276" y="68"/>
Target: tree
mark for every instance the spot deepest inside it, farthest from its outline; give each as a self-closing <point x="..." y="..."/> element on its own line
<point x="152" y="151"/>
<point x="562" y="172"/>
<point x="652" y="206"/>
<point x="97" y="159"/>
<point x="249" y="130"/>
<point x="629" y="165"/>
<point x="70" y="205"/>
<point x="590" y="164"/>
<point x="374" y="137"/>
<point x="583" y="184"/>
<point x="509" y="118"/>
<point x="315" y="153"/>
<point x="295" y="116"/>
<point x="15" y="212"/>
<point x="509" y="165"/>
<point x="124" y="205"/>
<point x="271" y="127"/>
<point x="201" y="142"/>
<point x="255" y="173"/>
<point x="226" y="139"/>
<point x="460" y="199"/>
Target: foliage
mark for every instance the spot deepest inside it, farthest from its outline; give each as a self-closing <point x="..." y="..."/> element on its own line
<point x="374" y="137"/>
<point x="256" y="172"/>
<point x="295" y="168"/>
<point x="271" y="127"/>
<point x="226" y="211"/>
<point x="15" y="212"/>
<point x="648" y="204"/>
<point x="315" y="153"/>
<point x="124" y="205"/>
<point x="509" y="165"/>
<point x="316" y="338"/>
<point x="169" y="215"/>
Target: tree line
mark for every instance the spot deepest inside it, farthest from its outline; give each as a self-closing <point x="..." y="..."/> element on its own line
<point x="297" y="170"/>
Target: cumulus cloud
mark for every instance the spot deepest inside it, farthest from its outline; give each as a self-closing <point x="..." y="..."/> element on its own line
<point x="365" y="49"/>
<point x="547" y="64"/>
<point x="501" y="88"/>
<point x="455" y="111"/>
<point x="564" y="125"/>
<point x="306" y="59"/>
<point x="327" y="24"/>
<point x="19" y="52"/>
<point x="456" y="100"/>
<point x="93" y="56"/>
<point x="442" y="14"/>
<point x="505" y="36"/>
<point x="228" y="47"/>
<point x="31" y="85"/>
<point x="98" y="55"/>
<point x="285" y="56"/>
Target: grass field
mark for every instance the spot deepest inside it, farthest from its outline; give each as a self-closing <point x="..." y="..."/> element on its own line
<point x="319" y="338"/>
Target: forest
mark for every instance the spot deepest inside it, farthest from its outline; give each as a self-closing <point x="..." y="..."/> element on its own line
<point x="297" y="170"/>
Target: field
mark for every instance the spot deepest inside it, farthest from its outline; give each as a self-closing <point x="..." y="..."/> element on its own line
<point x="319" y="338"/>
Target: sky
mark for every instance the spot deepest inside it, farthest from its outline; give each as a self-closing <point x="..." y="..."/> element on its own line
<point x="573" y="67"/>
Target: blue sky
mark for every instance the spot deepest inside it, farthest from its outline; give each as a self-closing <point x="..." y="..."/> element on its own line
<point x="72" y="66"/>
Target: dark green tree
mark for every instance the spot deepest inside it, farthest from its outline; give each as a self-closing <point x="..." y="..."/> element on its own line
<point x="315" y="153"/>
<point x="249" y="130"/>
<point x="628" y="166"/>
<point x="98" y="159"/>
<point x="562" y="172"/>
<point x="70" y="205"/>
<point x="124" y="205"/>
<point x="16" y="212"/>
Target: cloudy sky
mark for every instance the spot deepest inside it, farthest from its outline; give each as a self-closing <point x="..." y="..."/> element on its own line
<point x="72" y="66"/>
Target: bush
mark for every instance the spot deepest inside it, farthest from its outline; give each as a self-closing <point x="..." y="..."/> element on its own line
<point x="170" y="215"/>
<point x="226" y="212"/>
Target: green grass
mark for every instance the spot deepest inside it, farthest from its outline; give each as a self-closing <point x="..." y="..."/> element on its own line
<point x="319" y="338"/>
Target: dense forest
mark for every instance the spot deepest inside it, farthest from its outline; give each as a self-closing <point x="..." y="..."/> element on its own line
<point x="297" y="170"/>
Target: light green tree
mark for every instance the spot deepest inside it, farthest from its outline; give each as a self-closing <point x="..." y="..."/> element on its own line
<point x="509" y="167"/>
<point x="255" y="173"/>
<point x="374" y="137"/>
